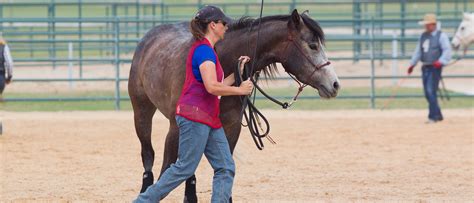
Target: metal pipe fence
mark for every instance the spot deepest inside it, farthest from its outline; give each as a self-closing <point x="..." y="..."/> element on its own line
<point x="52" y="39"/>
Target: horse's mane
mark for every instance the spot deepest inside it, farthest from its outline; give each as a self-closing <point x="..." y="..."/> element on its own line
<point x="247" y="22"/>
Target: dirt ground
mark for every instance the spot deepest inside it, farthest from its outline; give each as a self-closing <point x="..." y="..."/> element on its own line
<point x="356" y="155"/>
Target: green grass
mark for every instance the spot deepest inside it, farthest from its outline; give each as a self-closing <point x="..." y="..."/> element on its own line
<point x="301" y="104"/>
<point x="62" y="105"/>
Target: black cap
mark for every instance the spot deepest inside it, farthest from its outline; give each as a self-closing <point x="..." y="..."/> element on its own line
<point x="212" y="13"/>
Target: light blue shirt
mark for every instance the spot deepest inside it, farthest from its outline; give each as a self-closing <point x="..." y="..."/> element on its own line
<point x="8" y="61"/>
<point x="445" y="47"/>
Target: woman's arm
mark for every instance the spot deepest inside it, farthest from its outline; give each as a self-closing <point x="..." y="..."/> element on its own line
<point x="230" y="80"/>
<point x="208" y="74"/>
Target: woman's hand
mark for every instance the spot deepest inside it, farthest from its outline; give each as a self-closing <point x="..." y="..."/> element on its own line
<point x="243" y="60"/>
<point x="8" y="79"/>
<point x="246" y="87"/>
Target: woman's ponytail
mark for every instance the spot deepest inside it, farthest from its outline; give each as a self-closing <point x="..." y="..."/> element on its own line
<point x="198" y="28"/>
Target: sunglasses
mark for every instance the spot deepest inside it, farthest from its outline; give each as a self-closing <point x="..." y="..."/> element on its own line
<point x="220" y="21"/>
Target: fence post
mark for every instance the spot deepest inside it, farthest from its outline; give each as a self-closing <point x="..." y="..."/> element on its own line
<point x="1" y="16"/>
<point x="31" y="44"/>
<point x="356" y="30"/>
<point x="154" y="13"/>
<point x="101" y="37"/>
<point x="117" y="63"/>
<point x="438" y="8"/>
<point x="402" y="27"/>
<point x="114" y="15"/>
<point x="372" y="64"/>
<point x="70" y="64"/>
<point x="51" y="31"/>
<point x="380" y="22"/>
<point x="162" y="12"/>
<point x="199" y="4"/>
<point x="292" y="5"/>
<point x="80" y="37"/>
<point x="137" y="18"/>
<point x="127" y="18"/>
<point x="394" y="59"/>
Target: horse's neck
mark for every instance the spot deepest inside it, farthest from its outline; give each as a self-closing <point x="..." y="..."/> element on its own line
<point x="243" y="43"/>
<point x="471" y="35"/>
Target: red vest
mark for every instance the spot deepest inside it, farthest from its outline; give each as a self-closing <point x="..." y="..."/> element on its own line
<point x="195" y="103"/>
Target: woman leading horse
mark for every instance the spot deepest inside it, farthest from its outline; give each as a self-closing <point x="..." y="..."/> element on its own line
<point x="197" y="112"/>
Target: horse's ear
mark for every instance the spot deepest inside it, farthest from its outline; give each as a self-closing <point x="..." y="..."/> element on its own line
<point x="467" y="16"/>
<point x="295" y="21"/>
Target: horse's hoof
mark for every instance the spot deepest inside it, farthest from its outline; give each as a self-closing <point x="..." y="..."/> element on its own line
<point x="147" y="180"/>
<point x="192" y="199"/>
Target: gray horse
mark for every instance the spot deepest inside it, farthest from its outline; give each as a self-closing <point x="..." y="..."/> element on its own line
<point x="158" y="72"/>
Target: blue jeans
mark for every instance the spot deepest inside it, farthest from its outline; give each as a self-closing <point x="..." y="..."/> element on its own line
<point x="196" y="139"/>
<point x="431" y="78"/>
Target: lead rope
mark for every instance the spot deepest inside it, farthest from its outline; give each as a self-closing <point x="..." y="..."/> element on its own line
<point x="253" y="121"/>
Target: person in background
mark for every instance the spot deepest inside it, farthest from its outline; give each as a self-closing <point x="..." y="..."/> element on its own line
<point x="434" y="51"/>
<point x="6" y="69"/>
<point x="6" y="65"/>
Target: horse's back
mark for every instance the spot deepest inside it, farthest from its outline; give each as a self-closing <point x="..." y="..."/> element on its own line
<point x="159" y="65"/>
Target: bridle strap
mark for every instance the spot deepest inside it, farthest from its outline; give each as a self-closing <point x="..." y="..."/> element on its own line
<point x="300" y="49"/>
<point x="460" y="39"/>
<point x="316" y="67"/>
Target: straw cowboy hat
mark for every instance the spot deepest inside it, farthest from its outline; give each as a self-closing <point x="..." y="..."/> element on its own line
<point x="428" y="19"/>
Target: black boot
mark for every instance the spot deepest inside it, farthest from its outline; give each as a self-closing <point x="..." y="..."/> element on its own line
<point x="147" y="180"/>
<point x="190" y="190"/>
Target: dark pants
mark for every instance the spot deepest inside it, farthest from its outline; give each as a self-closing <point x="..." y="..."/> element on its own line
<point x="431" y="78"/>
<point x="2" y="82"/>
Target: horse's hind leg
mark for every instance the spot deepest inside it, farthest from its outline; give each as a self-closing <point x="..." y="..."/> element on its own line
<point x="143" y="111"/>
<point x="171" y="155"/>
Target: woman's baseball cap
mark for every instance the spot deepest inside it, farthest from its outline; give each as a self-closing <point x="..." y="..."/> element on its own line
<point x="210" y="13"/>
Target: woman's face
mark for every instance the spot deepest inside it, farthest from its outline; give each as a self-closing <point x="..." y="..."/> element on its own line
<point x="219" y="28"/>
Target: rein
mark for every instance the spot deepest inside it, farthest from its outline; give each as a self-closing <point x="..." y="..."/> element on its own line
<point x="253" y="116"/>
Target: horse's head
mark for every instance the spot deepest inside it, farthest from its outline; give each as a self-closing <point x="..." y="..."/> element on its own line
<point x="296" y="41"/>
<point x="303" y="55"/>
<point x="465" y="33"/>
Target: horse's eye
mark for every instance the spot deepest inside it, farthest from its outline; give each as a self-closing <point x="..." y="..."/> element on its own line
<point x="313" y="46"/>
<point x="462" y="28"/>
